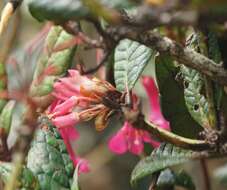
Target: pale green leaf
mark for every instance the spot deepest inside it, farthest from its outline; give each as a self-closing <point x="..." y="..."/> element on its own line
<point x="130" y="60"/>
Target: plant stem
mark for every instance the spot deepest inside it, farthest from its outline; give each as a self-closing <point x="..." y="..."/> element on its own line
<point x="205" y="174"/>
<point x="175" y="139"/>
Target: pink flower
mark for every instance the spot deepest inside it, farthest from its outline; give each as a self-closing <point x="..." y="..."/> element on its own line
<point x="130" y="139"/>
<point x="80" y="98"/>
<point x="68" y="135"/>
<point x="155" y="115"/>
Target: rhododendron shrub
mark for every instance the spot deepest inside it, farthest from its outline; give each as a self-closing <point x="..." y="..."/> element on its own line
<point x="129" y="80"/>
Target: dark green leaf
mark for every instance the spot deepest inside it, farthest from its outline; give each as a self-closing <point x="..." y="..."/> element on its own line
<point x="48" y="159"/>
<point x="165" y="156"/>
<point x="172" y="99"/>
<point x="168" y="179"/>
<point x="63" y="10"/>
<point x="130" y="60"/>
<point x="184" y="180"/>
<point x="215" y="54"/>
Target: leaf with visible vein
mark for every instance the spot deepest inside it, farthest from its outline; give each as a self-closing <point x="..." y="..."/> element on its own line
<point x="53" y="167"/>
<point x="165" y="156"/>
<point x="130" y="59"/>
<point x="172" y="99"/>
<point x="197" y="104"/>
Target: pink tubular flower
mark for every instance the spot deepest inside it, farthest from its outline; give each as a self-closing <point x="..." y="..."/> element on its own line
<point x="68" y="135"/>
<point x="132" y="139"/>
<point x="79" y="98"/>
<point x="155" y="115"/>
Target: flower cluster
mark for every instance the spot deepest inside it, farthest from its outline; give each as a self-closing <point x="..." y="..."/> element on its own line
<point x="80" y="98"/>
<point x="132" y="139"/>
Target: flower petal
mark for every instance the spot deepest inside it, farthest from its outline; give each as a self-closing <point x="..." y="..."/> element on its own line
<point x="83" y="165"/>
<point x="66" y="120"/>
<point x="136" y="142"/>
<point x="118" y="143"/>
<point x="65" y="107"/>
<point x="64" y="131"/>
<point x="156" y="116"/>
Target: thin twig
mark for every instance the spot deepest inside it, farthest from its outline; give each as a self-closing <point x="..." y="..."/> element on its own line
<point x="74" y="29"/>
<point x="95" y="69"/>
<point x="205" y="174"/>
<point x="154" y="181"/>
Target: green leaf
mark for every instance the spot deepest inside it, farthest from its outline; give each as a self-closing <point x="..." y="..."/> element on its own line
<point x="52" y="64"/>
<point x="48" y="159"/>
<point x="165" y="156"/>
<point x="168" y="179"/>
<point x="6" y="116"/>
<point x="130" y="60"/>
<point x="184" y="180"/>
<point x="172" y="99"/>
<point x="215" y="54"/>
<point x="63" y="10"/>
<point x="26" y="180"/>
<point x="196" y="102"/>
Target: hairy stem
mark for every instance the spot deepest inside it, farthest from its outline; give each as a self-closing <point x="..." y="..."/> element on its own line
<point x="165" y="45"/>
